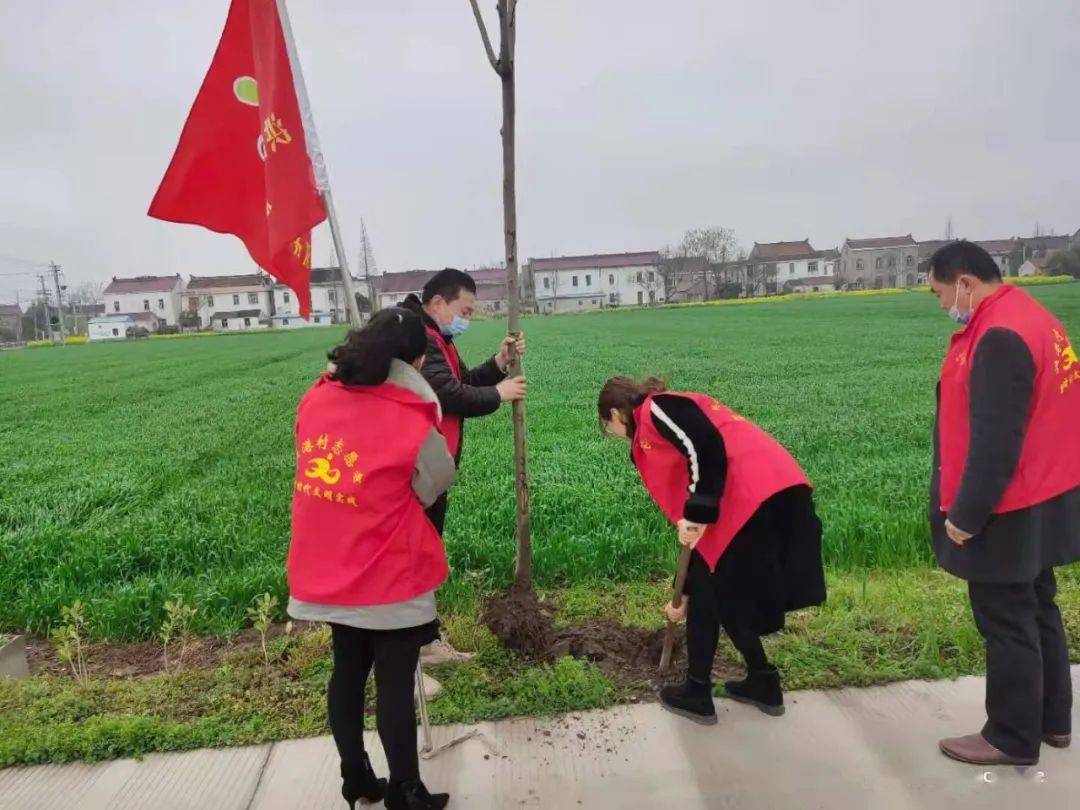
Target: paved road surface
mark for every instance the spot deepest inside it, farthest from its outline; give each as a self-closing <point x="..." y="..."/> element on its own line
<point x="853" y="748"/>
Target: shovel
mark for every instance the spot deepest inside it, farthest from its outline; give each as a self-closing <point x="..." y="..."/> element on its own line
<point x="428" y="750"/>
<point x="676" y="602"/>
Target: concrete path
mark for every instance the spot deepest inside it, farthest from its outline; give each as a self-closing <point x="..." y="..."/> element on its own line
<point x="852" y="748"/>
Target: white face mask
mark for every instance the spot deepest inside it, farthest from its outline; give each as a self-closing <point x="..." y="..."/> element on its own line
<point x="954" y="310"/>
<point x="456" y="327"/>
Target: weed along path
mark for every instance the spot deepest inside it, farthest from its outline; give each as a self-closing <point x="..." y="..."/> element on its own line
<point x="845" y="749"/>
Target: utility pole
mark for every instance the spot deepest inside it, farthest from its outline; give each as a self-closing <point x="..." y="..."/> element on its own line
<point x="19" y="323"/>
<point x="367" y="265"/>
<point x="45" y="302"/>
<point x="948" y="230"/>
<point x="59" y="297"/>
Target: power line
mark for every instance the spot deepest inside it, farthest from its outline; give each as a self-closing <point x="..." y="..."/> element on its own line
<point x="23" y="272"/>
<point x="19" y="260"/>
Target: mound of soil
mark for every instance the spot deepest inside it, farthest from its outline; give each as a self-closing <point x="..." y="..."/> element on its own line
<point x="521" y="623"/>
<point x="630" y="656"/>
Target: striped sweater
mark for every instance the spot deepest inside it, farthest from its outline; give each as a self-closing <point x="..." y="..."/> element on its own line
<point x="681" y="422"/>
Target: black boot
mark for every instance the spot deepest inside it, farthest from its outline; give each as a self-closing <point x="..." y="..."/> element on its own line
<point x="359" y="782"/>
<point x="761" y="688"/>
<point x="412" y="795"/>
<point x="691" y="700"/>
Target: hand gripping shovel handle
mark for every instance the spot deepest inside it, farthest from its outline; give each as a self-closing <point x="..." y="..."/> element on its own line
<point x="676" y="601"/>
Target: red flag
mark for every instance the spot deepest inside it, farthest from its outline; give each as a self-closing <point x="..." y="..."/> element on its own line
<point x="242" y="165"/>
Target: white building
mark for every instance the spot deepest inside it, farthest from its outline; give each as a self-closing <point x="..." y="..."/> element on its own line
<point x="491" y="294"/>
<point x="109" y="327"/>
<point x="396" y="287"/>
<point x="157" y="294"/>
<point x="812" y="284"/>
<point x="880" y="262"/>
<point x="1008" y="254"/>
<point x="776" y="266"/>
<point x="578" y="283"/>
<point x="328" y="301"/>
<point x="1032" y="267"/>
<point x="229" y="303"/>
<point x="11" y="316"/>
<point x="492" y="297"/>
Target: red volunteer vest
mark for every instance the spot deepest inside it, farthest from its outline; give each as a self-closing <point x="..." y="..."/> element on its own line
<point x="451" y="423"/>
<point x="758" y="468"/>
<point x="359" y="533"/>
<point x="1050" y="459"/>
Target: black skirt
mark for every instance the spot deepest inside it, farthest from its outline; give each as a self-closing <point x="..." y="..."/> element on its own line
<point x="771" y="567"/>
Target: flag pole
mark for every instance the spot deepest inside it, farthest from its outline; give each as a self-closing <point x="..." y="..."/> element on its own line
<point x="346" y="277"/>
<point x="318" y="164"/>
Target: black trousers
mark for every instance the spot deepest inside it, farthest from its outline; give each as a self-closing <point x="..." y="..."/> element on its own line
<point x="437" y="513"/>
<point x="705" y="615"/>
<point x="1028" y="682"/>
<point x="394" y="656"/>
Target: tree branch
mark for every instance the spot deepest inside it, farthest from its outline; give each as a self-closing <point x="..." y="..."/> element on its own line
<point x="511" y="31"/>
<point x="484" y="35"/>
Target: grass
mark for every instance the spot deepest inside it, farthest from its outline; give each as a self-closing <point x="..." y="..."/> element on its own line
<point x="137" y="470"/>
<point x="876" y="627"/>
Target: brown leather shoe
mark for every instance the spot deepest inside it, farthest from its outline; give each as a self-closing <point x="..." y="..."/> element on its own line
<point x="1058" y="740"/>
<point x="974" y="749"/>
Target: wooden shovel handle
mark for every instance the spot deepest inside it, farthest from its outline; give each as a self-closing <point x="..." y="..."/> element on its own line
<point x="676" y="601"/>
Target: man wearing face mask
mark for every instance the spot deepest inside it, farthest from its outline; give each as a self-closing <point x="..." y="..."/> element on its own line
<point x="1005" y="497"/>
<point x="447" y="304"/>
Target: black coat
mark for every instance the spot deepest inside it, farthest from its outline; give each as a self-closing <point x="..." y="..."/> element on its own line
<point x="1015" y="546"/>
<point x="474" y="394"/>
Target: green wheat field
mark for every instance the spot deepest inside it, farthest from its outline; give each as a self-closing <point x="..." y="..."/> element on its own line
<point x="134" y="471"/>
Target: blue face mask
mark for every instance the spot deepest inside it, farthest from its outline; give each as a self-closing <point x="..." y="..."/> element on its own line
<point x="954" y="310"/>
<point x="456" y="327"/>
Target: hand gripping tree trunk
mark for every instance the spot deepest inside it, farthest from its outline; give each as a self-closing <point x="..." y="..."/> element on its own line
<point x="504" y="68"/>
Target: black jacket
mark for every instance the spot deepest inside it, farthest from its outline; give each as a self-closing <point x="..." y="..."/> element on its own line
<point x="475" y="394"/>
<point x="1016" y="546"/>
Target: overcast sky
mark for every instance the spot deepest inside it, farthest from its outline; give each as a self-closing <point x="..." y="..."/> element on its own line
<point x="637" y="119"/>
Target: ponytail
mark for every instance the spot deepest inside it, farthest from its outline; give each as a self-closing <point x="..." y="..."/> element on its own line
<point x="622" y="394"/>
<point x="366" y="355"/>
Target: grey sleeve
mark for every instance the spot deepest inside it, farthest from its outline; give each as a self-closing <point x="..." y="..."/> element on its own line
<point x="435" y="470"/>
<point x="1002" y="386"/>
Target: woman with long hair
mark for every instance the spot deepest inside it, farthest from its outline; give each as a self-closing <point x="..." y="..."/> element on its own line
<point x="745" y="508"/>
<point x="364" y="557"/>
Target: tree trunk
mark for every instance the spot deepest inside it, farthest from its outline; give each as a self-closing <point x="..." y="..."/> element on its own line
<point x="507" y="19"/>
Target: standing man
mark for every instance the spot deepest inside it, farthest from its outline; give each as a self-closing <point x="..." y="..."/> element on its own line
<point x="449" y="299"/>
<point x="1005" y="497"/>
